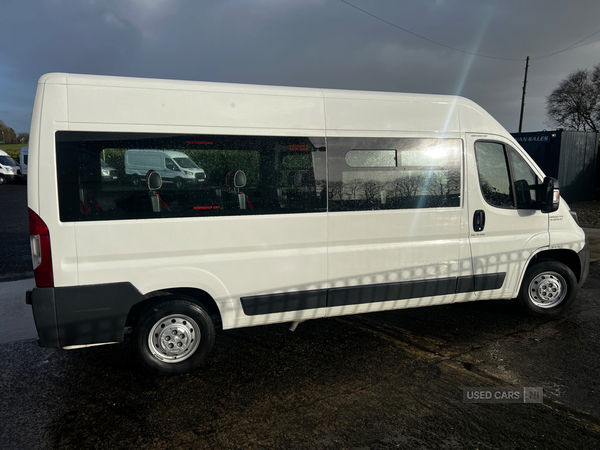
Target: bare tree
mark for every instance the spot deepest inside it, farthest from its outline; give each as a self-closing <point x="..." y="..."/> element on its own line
<point x="371" y="189"/>
<point x="336" y="189"/>
<point x="352" y="187"/>
<point x="408" y="185"/>
<point x="443" y="186"/>
<point x="575" y="103"/>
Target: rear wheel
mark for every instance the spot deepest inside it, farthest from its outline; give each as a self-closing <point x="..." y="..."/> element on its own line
<point x="173" y="336"/>
<point x="548" y="288"/>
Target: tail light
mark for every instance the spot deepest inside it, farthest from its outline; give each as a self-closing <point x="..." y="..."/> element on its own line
<point x="40" y="251"/>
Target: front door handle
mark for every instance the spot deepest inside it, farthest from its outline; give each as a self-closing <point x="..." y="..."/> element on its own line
<point x="479" y="220"/>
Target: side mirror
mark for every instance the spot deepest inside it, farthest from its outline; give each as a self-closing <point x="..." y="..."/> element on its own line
<point x="549" y="195"/>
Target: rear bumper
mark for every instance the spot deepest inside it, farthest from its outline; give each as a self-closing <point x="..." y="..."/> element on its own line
<point x="44" y="315"/>
<point x="82" y="315"/>
<point x="584" y="259"/>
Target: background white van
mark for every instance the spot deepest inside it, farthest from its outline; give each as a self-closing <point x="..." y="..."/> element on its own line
<point x="174" y="167"/>
<point x="23" y="157"/>
<point x="9" y="169"/>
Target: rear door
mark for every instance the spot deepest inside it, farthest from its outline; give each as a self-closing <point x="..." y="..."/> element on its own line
<point x="506" y="226"/>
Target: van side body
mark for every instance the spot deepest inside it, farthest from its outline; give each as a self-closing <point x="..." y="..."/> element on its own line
<point x="314" y="203"/>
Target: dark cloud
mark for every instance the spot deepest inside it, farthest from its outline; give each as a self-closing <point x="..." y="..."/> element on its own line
<point x="318" y="43"/>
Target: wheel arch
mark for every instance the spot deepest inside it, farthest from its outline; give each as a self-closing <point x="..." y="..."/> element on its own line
<point x="567" y="257"/>
<point x="199" y="296"/>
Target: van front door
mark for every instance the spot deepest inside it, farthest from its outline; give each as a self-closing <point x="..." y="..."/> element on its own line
<point x="506" y="226"/>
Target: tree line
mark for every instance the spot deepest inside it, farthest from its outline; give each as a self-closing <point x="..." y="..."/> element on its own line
<point x="439" y="187"/>
<point x="8" y="135"/>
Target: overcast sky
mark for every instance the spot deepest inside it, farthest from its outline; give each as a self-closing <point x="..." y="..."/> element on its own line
<point x="313" y="43"/>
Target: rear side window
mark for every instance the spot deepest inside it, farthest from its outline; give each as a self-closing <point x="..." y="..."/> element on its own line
<point x="381" y="173"/>
<point x="103" y="176"/>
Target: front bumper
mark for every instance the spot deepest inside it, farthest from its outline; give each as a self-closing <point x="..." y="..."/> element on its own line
<point x="584" y="259"/>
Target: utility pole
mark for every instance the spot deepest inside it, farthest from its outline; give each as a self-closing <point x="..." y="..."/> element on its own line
<point x="523" y="98"/>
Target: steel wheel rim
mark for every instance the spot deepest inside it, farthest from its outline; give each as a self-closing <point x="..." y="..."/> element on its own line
<point x="174" y="338"/>
<point x="547" y="290"/>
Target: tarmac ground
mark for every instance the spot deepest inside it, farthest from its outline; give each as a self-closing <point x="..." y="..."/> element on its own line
<point x="381" y="380"/>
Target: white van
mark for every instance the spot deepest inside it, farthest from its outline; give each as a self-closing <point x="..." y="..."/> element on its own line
<point x="9" y="169"/>
<point x="23" y="157"/>
<point x="318" y="203"/>
<point x="174" y="167"/>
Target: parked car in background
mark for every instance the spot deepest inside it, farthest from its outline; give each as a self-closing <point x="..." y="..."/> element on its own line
<point x="9" y="169"/>
<point x="109" y="173"/>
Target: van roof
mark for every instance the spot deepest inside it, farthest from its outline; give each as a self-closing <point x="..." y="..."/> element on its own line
<point x="3" y="153"/>
<point x="170" y="153"/>
<point x="106" y="101"/>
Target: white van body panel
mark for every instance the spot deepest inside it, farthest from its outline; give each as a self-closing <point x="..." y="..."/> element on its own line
<point x="564" y="232"/>
<point x="64" y="242"/>
<point x="230" y="257"/>
<point x="231" y="106"/>
<point x="211" y="255"/>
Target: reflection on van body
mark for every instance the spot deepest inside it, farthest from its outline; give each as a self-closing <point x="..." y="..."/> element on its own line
<point x="293" y="205"/>
<point x="174" y="166"/>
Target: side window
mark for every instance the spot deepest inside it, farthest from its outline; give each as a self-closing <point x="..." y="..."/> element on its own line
<point x="169" y="164"/>
<point x="494" y="176"/>
<point x="102" y="175"/>
<point x="382" y="173"/>
<point x="525" y="181"/>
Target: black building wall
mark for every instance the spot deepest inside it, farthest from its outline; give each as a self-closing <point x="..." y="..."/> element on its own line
<point x="569" y="156"/>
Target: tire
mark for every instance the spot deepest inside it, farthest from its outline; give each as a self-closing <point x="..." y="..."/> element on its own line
<point x="174" y="336"/>
<point x="548" y="288"/>
<point x="2" y="180"/>
<point x="177" y="183"/>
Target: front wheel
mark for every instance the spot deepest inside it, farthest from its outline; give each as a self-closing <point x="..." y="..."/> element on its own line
<point x="548" y="288"/>
<point x="2" y="179"/>
<point x="174" y="336"/>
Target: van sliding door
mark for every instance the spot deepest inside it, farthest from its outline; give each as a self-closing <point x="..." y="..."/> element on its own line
<point x="395" y="224"/>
